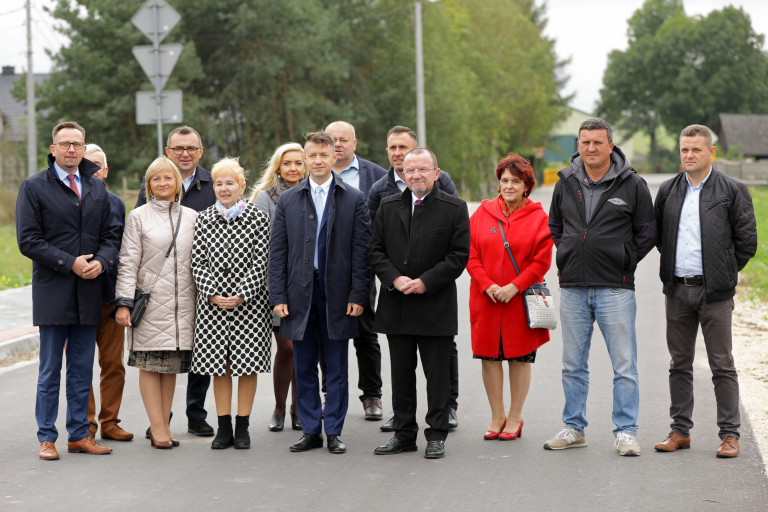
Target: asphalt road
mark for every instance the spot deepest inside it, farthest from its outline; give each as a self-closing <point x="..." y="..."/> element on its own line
<point x="474" y="475"/>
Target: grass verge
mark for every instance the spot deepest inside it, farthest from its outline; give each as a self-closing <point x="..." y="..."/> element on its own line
<point x="754" y="277"/>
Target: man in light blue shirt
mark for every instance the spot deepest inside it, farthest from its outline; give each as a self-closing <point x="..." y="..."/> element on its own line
<point x="707" y="233"/>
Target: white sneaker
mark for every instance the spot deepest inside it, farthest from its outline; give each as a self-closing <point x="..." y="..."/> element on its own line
<point x="626" y="444"/>
<point x="566" y="438"/>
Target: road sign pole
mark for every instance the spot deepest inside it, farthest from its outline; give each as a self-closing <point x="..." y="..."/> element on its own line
<point x="157" y="80"/>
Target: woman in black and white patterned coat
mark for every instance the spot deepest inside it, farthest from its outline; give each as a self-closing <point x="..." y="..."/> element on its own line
<point x="234" y="322"/>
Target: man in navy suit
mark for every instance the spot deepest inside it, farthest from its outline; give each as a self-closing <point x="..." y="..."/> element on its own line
<point x="319" y="236"/>
<point x="64" y="225"/>
<point x="361" y="174"/>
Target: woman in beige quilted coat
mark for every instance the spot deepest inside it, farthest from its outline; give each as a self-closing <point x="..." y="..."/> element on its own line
<point x="161" y="345"/>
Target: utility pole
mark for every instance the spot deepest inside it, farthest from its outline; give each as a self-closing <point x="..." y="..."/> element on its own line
<point x="421" y="122"/>
<point x="31" y="116"/>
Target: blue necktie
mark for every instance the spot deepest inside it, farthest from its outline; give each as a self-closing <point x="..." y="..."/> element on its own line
<point x="319" y="207"/>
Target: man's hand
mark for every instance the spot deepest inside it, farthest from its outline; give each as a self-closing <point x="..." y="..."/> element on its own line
<point x="281" y="310"/>
<point x="123" y="316"/>
<point x="92" y="270"/>
<point x="414" y="286"/>
<point x="81" y="264"/>
<point x="491" y="291"/>
<point x="354" y="309"/>
<point x="505" y="293"/>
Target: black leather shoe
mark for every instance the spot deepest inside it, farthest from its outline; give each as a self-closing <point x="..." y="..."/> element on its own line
<point x="388" y="426"/>
<point x="200" y="428"/>
<point x="308" y="442"/>
<point x="295" y="421"/>
<point x="453" y="420"/>
<point x="335" y="445"/>
<point x="396" y="445"/>
<point x="435" y="450"/>
<point x="276" y="424"/>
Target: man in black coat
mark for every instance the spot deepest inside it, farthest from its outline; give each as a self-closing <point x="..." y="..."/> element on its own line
<point x="63" y="224"/>
<point x="185" y="148"/>
<point x="400" y="141"/>
<point x="707" y="233"/>
<point x="419" y="247"/>
<point x="361" y="174"/>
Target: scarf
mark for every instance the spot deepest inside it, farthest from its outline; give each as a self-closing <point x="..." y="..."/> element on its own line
<point x="232" y="212"/>
<point x="275" y="190"/>
<point x="506" y="211"/>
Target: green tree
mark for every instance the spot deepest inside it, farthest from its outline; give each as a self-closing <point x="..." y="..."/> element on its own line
<point x="96" y="76"/>
<point x="679" y="70"/>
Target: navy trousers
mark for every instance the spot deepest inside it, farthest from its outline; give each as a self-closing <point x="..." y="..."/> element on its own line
<point x="306" y="354"/>
<point x="81" y="346"/>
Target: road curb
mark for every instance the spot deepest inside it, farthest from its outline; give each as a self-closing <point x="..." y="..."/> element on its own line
<point x="20" y="344"/>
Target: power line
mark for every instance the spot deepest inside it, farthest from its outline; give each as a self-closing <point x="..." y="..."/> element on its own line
<point x="12" y="11"/>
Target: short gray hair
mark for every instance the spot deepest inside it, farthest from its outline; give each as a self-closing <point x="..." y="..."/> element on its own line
<point x="597" y="124"/>
<point x="422" y="151"/>
<point x="95" y="148"/>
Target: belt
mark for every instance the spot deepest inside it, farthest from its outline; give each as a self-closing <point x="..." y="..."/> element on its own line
<point x="690" y="280"/>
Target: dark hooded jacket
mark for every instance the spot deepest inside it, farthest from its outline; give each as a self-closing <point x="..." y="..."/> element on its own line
<point x="601" y="229"/>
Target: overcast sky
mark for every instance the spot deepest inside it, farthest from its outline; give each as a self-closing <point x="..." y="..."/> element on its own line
<point x="584" y="30"/>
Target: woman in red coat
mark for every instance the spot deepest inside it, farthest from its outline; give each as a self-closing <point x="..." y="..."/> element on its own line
<point x="500" y="329"/>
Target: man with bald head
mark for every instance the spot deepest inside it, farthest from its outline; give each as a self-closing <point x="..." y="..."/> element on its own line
<point x="360" y="174"/>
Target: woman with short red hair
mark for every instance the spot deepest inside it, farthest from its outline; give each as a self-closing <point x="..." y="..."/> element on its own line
<point x="497" y="314"/>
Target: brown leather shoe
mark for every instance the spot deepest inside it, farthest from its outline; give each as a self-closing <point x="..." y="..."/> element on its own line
<point x="88" y="445"/>
<point x="116" y="433"/>
<point x="48" y="451"/>
<point x="729" y="448"/>
<point x="674" y="441"/>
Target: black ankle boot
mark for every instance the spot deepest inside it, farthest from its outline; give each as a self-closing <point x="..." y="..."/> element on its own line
<point x="223" y="437"/>
<point x="242" y="439"/>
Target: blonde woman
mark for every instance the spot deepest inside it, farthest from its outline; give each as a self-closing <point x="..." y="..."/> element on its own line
<point x="284" y="170"/>
<point x="161" y="345"/>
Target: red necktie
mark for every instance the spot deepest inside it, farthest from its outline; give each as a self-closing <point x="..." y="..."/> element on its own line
<point x="72" y="184"/>
<point x="418" y="202"/>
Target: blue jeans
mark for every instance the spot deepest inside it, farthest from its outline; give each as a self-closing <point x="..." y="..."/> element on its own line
<point x="614" y="309"/>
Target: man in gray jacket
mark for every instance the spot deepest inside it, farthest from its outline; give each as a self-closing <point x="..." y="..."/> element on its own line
<point x="707" y="233"/>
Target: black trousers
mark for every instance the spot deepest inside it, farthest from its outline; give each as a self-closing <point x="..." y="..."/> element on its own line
<point x="435" y="353"/>
<point x="197" y="388"/>
<point x="687" y="308"/>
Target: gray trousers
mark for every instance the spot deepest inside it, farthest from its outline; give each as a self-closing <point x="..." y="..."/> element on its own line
<point x="686" y="309"/>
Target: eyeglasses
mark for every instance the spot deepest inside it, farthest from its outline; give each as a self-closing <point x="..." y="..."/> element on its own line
<point x="179" y="150"/>
<point x="423" y="170"/>
<point x="65" y="145"/>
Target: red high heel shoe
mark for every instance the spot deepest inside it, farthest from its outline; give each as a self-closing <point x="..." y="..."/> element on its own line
<point x="508" y="436"/>
<point x="490" y="434"/>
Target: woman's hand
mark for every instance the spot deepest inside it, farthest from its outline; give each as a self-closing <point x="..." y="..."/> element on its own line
<point x="123" y="316"/>
<point x="505" y="293"/>
<point x="491" y="291"/>
<point x="226" y="302"/>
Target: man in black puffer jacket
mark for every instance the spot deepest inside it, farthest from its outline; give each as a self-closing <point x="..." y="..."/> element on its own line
<point x="707" y="233"/>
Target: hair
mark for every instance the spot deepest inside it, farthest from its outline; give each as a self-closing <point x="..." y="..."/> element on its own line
<point x="597" y="124"/>
<point x="322" y="138"/>
<point x="696" y="130"/>
<point x="159" y="164"/>
<point x="95" y="148"/>
<point x="272" y="168"/>
<point x="229" y="165"/>
<point x="421" y="151"/>
<point x="348" y="124"/>
<point x="64" y="125"/>
<point x="184" y="130"/>
<point x="519" y="167"/>
<point x="402" y="129"/>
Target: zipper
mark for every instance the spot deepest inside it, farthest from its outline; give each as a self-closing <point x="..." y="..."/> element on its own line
<point x="175" y="277"/>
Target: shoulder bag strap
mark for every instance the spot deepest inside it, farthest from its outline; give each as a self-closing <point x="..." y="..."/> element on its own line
<point x="506" y="245"/>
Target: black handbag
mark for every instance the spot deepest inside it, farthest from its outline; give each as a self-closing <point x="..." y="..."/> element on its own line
<point x="140" y="297"/>
<point x="539" y="306"/>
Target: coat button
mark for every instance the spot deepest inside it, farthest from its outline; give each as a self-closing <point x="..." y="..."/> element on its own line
<point x="77" y="203"/>
<point x="306" y="260"/>
<point x="311" y="216"/>
<point x="305" y="284"/>
<point x="306" y="239"/>
<point x="405" y="261"/>
<point x="61" y="262"/>
<point x="226" y="245"/>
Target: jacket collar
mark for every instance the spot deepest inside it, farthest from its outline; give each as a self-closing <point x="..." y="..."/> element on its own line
<point x="86" y="167"/>
<point x="338" y="182"/>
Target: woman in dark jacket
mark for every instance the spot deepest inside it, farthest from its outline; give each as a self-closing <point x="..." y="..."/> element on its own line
<point x="284" y="170"/>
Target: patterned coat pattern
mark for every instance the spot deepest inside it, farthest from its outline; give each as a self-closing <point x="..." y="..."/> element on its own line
<point x="230" y="258"/>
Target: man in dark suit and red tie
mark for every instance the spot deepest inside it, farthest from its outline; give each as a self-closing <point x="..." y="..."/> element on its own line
<point x="419" y="247"/>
